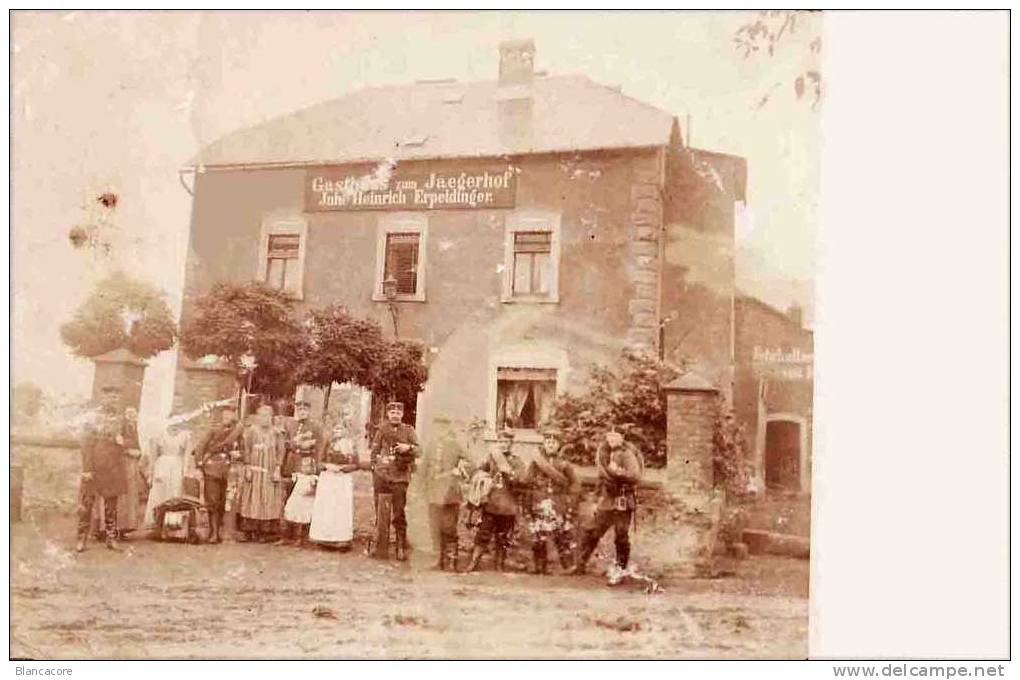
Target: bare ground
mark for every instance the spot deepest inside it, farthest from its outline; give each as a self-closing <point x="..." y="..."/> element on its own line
<point x="164" y="601"/>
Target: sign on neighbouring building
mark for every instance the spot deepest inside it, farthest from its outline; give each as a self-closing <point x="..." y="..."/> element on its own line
<point x="782" y="364"/>
<point x="385" y="187"/>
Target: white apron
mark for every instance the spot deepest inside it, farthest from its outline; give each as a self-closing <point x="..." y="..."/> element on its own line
<point x="333" y="512"/>
<point x="302" y="500"/>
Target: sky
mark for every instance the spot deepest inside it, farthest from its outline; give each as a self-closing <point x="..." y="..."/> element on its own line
<point x="120" y="101"/>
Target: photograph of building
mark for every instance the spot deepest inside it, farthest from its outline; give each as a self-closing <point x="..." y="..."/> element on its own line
<point x="367" y="347"/>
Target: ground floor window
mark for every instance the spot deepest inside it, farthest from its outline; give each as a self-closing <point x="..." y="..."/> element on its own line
<point x="524" y="396"/>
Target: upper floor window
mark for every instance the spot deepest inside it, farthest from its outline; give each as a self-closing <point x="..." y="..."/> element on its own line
<point x="532" y="263"/>
<point x="400" y="255"/>
<point x="282" y="254"/>
<point x="402" y="261"/>
<point x="532" y="257"/>
<point x="282" y="261"/>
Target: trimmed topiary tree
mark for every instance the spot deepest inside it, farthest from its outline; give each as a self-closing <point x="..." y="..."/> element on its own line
<point x="121" y="313"/>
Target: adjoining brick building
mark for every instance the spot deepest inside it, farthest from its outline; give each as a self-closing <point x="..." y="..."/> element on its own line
<point x="525" y="228"/>
<point x="773" y="393"/>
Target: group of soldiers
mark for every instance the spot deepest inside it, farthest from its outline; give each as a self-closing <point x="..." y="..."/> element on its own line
<point x="497" y="490"/>
<point x="544" y="494"/>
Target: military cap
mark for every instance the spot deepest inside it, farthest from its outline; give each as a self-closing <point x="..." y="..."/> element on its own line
<point x="550" y="431"/>
<point x="395" y="406"/>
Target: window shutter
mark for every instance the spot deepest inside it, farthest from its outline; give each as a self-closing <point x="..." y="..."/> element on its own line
<point x="532" y="242"/>
<point x="402" y="261"/>
<point x="284" y="246"/>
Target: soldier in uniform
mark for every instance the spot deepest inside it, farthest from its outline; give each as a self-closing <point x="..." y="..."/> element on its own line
<point x="446" y="466"/>
<point x="502" y="505"/>
<point x="394" y="449"/>
<point x="215" y="451"/>
<point x="305" y="440"/>
<point x="619" y="470"/>
<point x="553" y="500"/>
<point x="104" y="473"/>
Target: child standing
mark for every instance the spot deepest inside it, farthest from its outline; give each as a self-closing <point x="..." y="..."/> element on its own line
<point x="298" y="510"/>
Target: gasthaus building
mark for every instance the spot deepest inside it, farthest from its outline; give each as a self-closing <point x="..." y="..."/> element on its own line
<point x="522" y="228"/>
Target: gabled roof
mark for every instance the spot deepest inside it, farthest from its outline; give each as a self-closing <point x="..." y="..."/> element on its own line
<point x="446" y="119"/>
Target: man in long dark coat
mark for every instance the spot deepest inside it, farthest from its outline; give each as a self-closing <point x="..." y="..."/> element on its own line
<point x="104" y="473"/>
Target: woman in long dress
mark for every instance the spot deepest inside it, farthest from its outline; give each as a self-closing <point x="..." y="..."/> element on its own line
<point x="166" y="469"/>
<point x="333" y="512"/>
<point x="261" y="498"/>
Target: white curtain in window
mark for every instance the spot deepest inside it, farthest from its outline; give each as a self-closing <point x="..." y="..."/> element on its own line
<point x="512" y="395"/>
<point x="545" y="394"/>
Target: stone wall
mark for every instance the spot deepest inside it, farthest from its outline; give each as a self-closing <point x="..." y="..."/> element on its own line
<point x="51" y="471"/>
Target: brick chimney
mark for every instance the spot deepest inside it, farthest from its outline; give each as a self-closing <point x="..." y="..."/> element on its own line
<point x="516" y="62"/>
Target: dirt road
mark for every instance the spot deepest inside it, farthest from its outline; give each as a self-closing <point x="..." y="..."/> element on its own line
<point x="163" y="601"/>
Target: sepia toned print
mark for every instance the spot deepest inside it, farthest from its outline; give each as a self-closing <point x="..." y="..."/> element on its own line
<point x="424" y="348"/>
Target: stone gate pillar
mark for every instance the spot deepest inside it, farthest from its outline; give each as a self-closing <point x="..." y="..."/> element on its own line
<point x="691" y="410"/>
<point x="122" y="369"/>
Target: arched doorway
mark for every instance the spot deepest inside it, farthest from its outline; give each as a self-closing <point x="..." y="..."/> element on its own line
<point x="783" y="454"/>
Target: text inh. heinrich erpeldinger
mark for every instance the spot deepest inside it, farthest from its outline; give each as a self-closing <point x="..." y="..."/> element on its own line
<point x="386" y="187"/>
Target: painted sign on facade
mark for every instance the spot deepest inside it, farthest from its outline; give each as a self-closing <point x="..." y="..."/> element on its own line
<point x="386" y="187"/>
<point x="782" y="364"/>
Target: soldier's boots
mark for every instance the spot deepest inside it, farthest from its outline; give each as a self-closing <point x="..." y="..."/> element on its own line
<point x="580" y="566"/>
<point x="447" y="555"/>
<point x="623" y="556"/>
<point x="476" y="559"/>
<point x="80" y="545"/>
<point x="402" y="545"/>
<point x="541" y="560"/>
<point x="499" y="559"/>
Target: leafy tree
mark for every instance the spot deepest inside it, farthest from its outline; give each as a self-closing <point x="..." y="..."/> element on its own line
<point x="401" y="372"/>
<point x="340" y="348"/>
<point x="244" y="322"/>
<point x="631" y="399"/>
<point x="121" y="313"/>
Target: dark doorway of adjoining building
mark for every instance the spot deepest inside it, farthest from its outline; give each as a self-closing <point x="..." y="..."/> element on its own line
<point x="782" y="455"/>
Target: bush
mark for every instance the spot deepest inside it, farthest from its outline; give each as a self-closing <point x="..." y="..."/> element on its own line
<point x="121" y="313"/>
<point x="732" y="473"/>
<point x="630" y="398"/>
